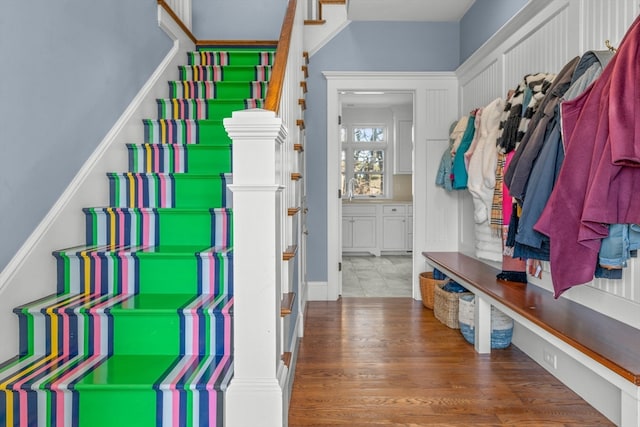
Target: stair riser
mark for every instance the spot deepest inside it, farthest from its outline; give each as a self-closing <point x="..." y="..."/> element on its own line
<point x="161" y="333"/>
<point x="198" y="328"/>
<point x="179" y="158"/>
<point x="185" y="132"/>
<point x="130" y="190"/>
<point x="204" y="57"/>
<point x="68" y="325"/>
<point x="202" y="109"/>
<point x="190" y="89"/>
<point x="215" y="73"/>
<point x="148" y="273"/>
<point x="152" y="227"/>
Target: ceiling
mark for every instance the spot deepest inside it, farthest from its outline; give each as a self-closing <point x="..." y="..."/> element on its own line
<point x="407" y="10"/>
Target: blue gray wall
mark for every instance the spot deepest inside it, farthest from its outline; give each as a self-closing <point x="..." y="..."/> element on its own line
<point x="69" y="70"/>
<point x="238" y="19"/>
<point x="362" y="46"/>
<point x="482" y="20"/>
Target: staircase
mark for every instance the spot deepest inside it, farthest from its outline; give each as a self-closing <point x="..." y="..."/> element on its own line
<point x="139" y="332"/>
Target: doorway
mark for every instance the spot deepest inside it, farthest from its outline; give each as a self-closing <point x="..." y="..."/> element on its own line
<point x="376" y="145"/>
<point x="338" y="85"/>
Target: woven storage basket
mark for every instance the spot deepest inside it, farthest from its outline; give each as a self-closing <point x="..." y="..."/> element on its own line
<point x="427" y="287"/>
<point x="501" y="324"/>
<point x="445" y="306"/>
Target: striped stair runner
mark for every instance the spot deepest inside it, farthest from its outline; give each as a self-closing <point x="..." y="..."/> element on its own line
<point x="139" y="332"/>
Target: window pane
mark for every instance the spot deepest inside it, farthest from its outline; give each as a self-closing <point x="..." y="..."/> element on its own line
<point x="343" y="134"/>
<point x="368" y="160"/>
<point x="369" y="134"/>
<point x="369" y="184"/>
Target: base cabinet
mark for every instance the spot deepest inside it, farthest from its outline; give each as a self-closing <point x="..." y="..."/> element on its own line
<point x="394" y="233"/>
<point x="359" y="229"/>
<point x="377" y="228"/>
<point x="358" y="232"/>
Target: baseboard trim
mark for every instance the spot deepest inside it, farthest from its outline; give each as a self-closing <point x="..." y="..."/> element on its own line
<point x="318" y="291"/>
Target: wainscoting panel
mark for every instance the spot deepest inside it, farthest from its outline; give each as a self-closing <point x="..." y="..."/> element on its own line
<point x="543" y="50"/>
<point x="482" y="87"/>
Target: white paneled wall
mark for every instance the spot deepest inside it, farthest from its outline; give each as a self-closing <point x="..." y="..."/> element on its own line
<point x="543" y="37"/>
<point x="605" y="20"/>
<point x="544" y="50"/>
<point x="483" y="86"/>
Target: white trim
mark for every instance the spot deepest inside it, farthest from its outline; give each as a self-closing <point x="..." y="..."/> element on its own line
<point x="235" y="188"/>
<point x="317" y="291"/>
<point x="427" y="136"/>
<point x="317" y="36"/>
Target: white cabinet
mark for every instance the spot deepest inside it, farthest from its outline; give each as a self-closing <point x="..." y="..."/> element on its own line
<point x="397" y="227"/>
<point x="393" y="233"/>
<point x="377" y="227"/>
<point x="359" y="229"/>
<point x="403" y="161"/>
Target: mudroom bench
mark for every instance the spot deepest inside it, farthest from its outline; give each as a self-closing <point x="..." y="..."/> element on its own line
<point x="605" y="346"/>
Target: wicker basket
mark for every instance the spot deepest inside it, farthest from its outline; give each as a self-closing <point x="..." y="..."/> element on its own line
<point x="427" y="286"/>
<point x="501" y="324"/>
<point x="445" y="306"/>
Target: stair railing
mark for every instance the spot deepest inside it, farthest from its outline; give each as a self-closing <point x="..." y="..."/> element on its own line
<point x="264" y="166"/>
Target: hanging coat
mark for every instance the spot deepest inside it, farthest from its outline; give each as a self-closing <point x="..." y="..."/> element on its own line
<point x="599" y="181"/>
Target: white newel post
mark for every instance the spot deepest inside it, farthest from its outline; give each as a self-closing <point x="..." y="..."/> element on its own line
<point x="255" y="395"/>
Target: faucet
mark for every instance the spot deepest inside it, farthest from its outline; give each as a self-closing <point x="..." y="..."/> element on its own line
<point x="351" y="187"/>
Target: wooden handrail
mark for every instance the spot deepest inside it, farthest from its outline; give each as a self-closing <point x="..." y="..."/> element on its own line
<point x="241" y="43"/>
<point x="276" y="82"/>
<point x="175" y="17"/>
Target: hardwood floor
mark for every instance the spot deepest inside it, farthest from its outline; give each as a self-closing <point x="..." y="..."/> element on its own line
<point x="388" y="361"/>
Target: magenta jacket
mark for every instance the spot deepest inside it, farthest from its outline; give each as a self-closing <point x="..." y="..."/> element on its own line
<point x="599" y="182"/>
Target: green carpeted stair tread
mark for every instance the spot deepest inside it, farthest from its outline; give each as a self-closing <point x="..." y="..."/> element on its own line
<point x="179" y="158"/>
<point x="156" y="226"/>
<point x="168" y="190"/>
<point x="203" y="109"/>
<point x="231" y="57"/>
<point x="185" y="131"/>
<point x="155" y="391"/>
<point x="216" y="73"/>
<point x="159" y="269"/>
<point x="209" y="89"/>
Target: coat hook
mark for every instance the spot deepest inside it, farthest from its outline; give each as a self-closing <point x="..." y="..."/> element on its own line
<point x="607" y="43"/>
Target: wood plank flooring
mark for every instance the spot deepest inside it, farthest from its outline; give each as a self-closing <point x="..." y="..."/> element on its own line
<point x="388" y="361"/>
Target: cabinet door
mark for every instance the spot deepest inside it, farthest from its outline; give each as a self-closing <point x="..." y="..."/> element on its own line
<point x="393" y="233"/>
<point x="347" y="232"/>
<point x="404" y="147"/>
<point x="364" y="232"/>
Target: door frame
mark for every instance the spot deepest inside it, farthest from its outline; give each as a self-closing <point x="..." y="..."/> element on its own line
<point x="339" y="82"/>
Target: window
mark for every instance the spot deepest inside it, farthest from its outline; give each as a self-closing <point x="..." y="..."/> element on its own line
<point x="364" y="161"/>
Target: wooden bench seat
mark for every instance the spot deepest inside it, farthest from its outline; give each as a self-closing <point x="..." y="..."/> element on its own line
<point x="578" y="330"/>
